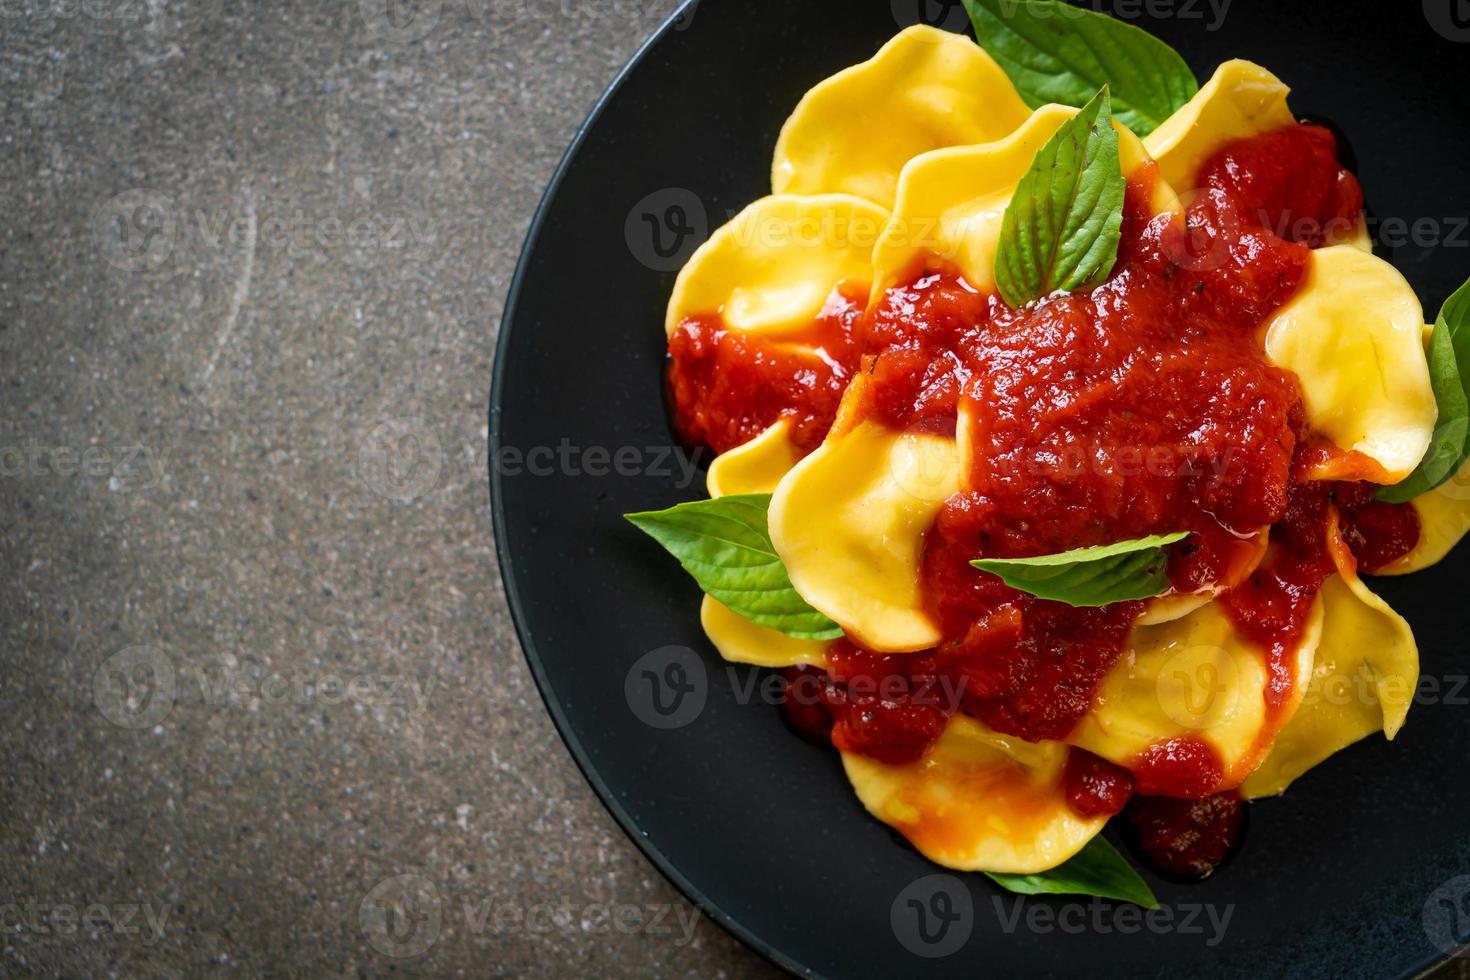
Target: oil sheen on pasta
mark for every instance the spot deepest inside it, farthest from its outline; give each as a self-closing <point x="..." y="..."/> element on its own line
<point x="1143" y="406"/>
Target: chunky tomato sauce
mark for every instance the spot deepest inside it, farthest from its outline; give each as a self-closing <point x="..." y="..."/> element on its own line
<point x="728" y="387"/>
<point x="1143" y="406"/>
<point x="1183" y="838"/>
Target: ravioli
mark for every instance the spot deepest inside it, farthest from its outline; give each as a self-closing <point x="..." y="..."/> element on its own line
<point x="1353" y="336"/>
<point x="1444" y="519"/>
<point x="951" y="202"/>
<point x="740" y="641"/>
<point x="903" y="166"/>
<point x="772" y="267"/>
<point x="1167" y="608"/>
<point x="1364" y="680"/>
<point x="1444" y="516"/>
<point x="978" y="801"/>
<point x="1195" y="678"/>
<point x="1242" y="99"/>
<point x="756" y="467"/>
<point x="925" y="89"/>
<point x="850" y="521"/>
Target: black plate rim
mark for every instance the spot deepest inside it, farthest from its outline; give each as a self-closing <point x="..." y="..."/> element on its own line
<point x="507" y="576"/>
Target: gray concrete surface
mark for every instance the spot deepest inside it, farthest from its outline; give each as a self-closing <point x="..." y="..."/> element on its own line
<point x="263" y="711"/>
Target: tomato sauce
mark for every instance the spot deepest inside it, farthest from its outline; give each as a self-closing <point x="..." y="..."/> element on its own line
<point x="1143" y="406"/>
<point x="1186" y="839"/>
<point x="1095" y="787"/>
<point x="728" y="387"/>
<point x="1378" y="534"/>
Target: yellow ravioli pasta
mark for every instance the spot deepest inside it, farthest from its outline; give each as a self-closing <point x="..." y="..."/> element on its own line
<point x="1353" y="336"/>
<point x="926" y="89"/>
<point x="1193" y="677"/>
<point x="1242" y="99"/>
<point x="951" y="202"/>
<point x="771" y="268"/>
<point x="849" y="522"/>
<point x="756" y="467"/>
<point x="978" y="801"/>
<point x="1363" y="681"/>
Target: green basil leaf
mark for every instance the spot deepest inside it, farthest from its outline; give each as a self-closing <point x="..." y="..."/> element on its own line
<point x="1055" y="52"/>
<point x="1449" y="375"/>
<point x="1098" y="869"/>
<point x="1062" y="227"/>
<point x="726" y="545"/>
<point x="1109" y="573"/>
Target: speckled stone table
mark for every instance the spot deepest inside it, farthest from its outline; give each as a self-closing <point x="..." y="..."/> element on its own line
<point x="264" y="712"/>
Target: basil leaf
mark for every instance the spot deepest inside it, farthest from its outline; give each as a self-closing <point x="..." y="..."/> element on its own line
<point x="1136" y="569"/>
<point x="1098" y="869"/>
<point x="1062" y="227"/>
<point x="1449" y="375"/>
<point x="726" y="545"/>
<point x="1054" y="52"/>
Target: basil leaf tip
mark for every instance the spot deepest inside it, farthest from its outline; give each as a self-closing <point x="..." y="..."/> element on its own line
<point x="1055" y="52"/>
<point x="1098" y="576"/>
<point x="1062" y="227"/>
<point x="725" y="544"/>
<point x="1098" y="869"/>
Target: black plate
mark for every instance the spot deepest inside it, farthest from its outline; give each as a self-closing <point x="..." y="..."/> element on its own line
<point x="1348" y="875"/>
